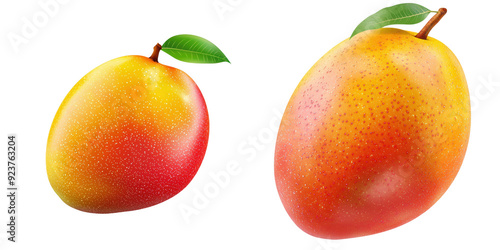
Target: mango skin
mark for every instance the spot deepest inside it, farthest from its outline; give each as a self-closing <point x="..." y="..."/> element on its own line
<point x="373" y="135"/>
<point x="131" y="133"/>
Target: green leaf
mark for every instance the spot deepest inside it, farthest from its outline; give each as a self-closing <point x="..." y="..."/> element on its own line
<point x="405" y="13"/>
<point x="193" y="49"/>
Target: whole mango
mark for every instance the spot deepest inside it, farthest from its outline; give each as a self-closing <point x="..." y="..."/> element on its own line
<point x="373" y="135"/>
<point x="130" y="134"/>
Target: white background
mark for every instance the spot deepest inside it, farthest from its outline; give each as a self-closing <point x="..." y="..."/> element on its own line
<point x="271" y="45"/>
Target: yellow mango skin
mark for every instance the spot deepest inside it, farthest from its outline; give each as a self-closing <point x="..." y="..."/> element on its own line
<point x="373" y="135"/>
<point x="130" y="134"/>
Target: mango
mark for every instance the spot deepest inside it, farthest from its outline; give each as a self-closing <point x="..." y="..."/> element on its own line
<point x="373" y="135"/>
<point x="130" y="134"/>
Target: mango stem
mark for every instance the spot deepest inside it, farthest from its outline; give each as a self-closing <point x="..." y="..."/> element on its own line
<point x="156" y="53"/>
<point x="428" y="27"/>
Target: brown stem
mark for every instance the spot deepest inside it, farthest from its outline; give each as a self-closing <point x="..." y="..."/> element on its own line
<point x="156" y="52"/>
<point x="428" y="27"/>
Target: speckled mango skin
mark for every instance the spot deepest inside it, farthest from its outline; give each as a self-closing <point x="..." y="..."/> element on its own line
<point x="132" y="133"/>
<point x="373" y="135"/>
